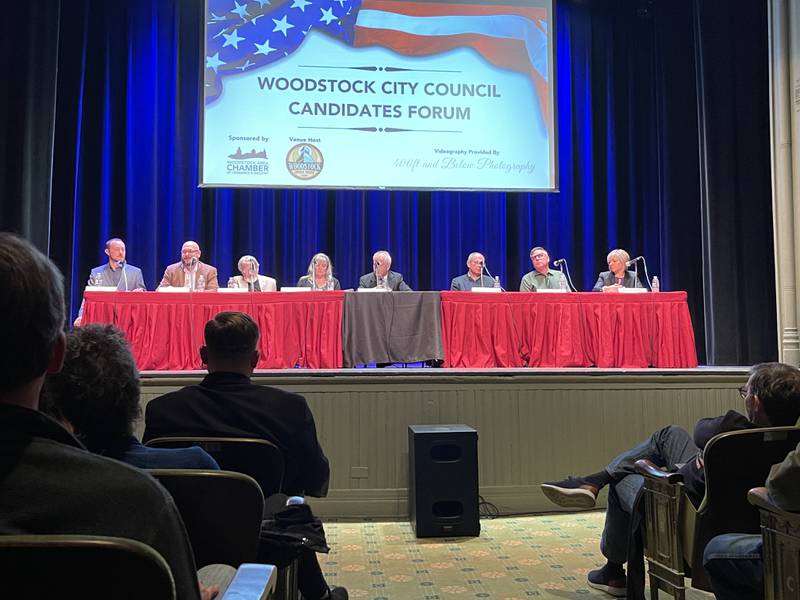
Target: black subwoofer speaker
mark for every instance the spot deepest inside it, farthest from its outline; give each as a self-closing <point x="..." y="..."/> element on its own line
<point x="443" y="480"/>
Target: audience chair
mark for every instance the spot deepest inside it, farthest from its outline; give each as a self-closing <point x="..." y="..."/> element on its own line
<point x="260" y="459"/>
<point x="50" y="567"/>
<point x="781" y="554"/>
<point x="676" y="533"/>
<point x="221" y="510"/>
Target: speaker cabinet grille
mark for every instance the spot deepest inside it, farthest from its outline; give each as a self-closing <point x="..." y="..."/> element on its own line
<point x="443" y="480"/>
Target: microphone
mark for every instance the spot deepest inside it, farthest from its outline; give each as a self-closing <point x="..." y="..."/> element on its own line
<point x="633" y="260"/>
<point x="192" y="261"/>
<point x="562" y="265"/>
<point x="121" y="265"/>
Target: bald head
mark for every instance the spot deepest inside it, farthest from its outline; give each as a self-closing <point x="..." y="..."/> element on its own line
<point x="190" y="251"/>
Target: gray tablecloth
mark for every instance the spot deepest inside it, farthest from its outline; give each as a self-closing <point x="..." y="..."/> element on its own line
<point x="391" y="327"/>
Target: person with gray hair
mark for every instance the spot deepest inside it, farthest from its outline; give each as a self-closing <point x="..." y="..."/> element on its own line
<point x="250" y="279"/>
<point x="96" y="395"/>
<point x="382" y="276"/>
<point x="542" y="276"/>
<point x="474" y="276"/>
<point x="320" y="274"/>
<point x="617" y="275"/>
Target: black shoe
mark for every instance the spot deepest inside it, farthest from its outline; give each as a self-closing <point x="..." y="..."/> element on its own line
<point x="608" y="580"/>
<point x="338" y="593"/>
<point x="572" y="492"/>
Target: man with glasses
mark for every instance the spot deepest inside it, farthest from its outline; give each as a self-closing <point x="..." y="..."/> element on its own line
<point x="190" y="272"/>
<point x="771" y="398"/>
<point x="542" y="276"/>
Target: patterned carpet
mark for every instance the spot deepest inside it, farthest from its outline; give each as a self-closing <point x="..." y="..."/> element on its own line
<point x="544" y="556"/>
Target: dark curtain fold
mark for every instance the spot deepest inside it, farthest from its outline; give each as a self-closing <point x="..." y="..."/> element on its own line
<point x="28" y="59"/>
<point x="630" y="78"/>
<point x="738" y="261"/>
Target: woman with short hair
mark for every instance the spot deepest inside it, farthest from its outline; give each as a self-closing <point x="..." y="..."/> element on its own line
<point x="617" y="275"/>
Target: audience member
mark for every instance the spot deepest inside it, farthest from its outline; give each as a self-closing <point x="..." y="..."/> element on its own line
<point x="771" y="397"/>
<point x="733" y="560"/>
<point x="96" y="394"/>
<point x="49" y="483"/>
<point x="227" y="403"/>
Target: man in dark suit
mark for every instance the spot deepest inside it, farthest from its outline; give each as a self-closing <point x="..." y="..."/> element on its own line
<point x="228" y="404"/>
<point x="382" y="276"/>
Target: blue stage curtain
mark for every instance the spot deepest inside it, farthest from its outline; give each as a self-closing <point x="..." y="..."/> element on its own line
<point x="126" y="164"/>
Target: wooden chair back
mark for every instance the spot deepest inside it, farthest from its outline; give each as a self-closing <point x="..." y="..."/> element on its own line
<point x="51" y="567"/>
<point x="222" y="512"/>
<point x="260" y="459"/>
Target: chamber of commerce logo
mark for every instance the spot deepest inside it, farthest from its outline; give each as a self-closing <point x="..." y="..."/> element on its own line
<point x="304" y="161"/>
<point x="253" y="162"/>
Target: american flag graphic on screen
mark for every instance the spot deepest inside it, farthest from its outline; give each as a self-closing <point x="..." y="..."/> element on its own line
<point x="247" y="35"/>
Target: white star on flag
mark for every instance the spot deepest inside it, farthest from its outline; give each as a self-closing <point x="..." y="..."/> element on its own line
<point x="282" y="25"/>
<point x="327" y="15"/>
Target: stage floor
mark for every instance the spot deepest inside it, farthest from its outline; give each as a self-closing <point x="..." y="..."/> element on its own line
<point x="533" y="424"/>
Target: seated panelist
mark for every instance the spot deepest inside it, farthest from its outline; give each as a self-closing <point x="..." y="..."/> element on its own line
<point x="542" y="276"/>
<point x="474" y="276"/>
<point x="382" y="276"/>
<point x="190" y="272"/>
<point x="250" y="279"/>
<point x="116" y="272"/>
<point x="320" y="274"/>
<point x="617" y="276"/>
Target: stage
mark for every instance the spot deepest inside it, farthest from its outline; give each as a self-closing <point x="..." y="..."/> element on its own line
<point x="533" y="424"/>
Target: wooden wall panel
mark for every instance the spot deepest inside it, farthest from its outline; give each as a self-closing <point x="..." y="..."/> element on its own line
<point x="531" y="426"/>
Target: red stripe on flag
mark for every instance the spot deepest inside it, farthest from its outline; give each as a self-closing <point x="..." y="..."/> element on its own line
<point x="430" y="9"/>
<point x="501" y="52"/>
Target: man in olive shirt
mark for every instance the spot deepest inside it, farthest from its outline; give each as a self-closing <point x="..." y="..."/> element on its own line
<point x="542" y="276"/>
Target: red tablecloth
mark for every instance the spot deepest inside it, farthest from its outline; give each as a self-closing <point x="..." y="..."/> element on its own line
<point x="567" y="330"/>
<point x="166" y="329"/>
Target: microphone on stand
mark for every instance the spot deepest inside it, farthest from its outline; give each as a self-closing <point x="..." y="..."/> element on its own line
<point x="482" y="267"/>
<point x="375" y="266"/>
<point x="121" y="265"/>
<point x="562" y="265"/>
<point x="251" y="285"/>
<point x="635" y="261"/>
<point x="192" y="264"/>
<point x="489" y="273"/>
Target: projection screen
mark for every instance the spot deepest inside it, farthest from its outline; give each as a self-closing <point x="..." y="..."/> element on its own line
<point x="379" y="94"/>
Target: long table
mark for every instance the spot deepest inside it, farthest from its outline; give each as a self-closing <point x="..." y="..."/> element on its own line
<point x="567" y="330"/>
<point x="165" y="330"/>
<point x="323" y="330"/>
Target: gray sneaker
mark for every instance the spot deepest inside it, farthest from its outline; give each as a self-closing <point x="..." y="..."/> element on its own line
<point x="572" y="492"/>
